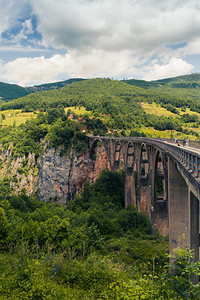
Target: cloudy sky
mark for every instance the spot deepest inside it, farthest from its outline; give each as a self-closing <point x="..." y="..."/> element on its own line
<point x="48" y="40"/>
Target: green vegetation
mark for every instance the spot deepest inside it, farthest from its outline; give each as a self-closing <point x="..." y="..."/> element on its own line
<point x="52" y="129"/>
<point x="94" y="248"/>
<point x="101" y="96"/>
<point x="118" y="105"/>
<point x="11" y="91"/>
<point x="52" y="85"/>
<point x="15" y="117"/>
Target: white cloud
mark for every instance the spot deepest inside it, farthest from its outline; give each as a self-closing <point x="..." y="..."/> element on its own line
<point x="175" y="67"/>
<point x="192" y="48"/>
<point x="28" y="71"/>
<point x="108" y="38"/>
<point x="117" y="24"/>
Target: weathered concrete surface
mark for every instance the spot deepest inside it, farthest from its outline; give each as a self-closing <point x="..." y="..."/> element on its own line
<point x="183" y="213"/>
<point x="129" y="190"/>
<point x="144" y="204"/>
<point x="160" y="222"/>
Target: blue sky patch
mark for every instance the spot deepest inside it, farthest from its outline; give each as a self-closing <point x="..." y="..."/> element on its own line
<point x="177" y="46"/>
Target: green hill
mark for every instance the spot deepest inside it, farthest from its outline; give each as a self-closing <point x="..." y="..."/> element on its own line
<point x="121" y="106"/>
<point x="186" y="81"/>
<point x="101" y="96"/>
<point x="53" y="85"/>
<point x="11" y="91"/>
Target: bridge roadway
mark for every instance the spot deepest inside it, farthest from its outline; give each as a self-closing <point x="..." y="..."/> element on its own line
<point x="160" y="163"/>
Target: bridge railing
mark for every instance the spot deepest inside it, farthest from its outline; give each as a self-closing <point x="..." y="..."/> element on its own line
<point x="191" y="143"/>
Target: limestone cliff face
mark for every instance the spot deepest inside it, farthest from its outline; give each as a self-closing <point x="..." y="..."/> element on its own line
<point x="60" y="178"/>
<point x="22" y="171"/>
<point x="52" y="177"/>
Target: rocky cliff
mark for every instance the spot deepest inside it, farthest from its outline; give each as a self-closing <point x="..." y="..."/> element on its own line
<point x="53" y="177"/>
<point x="62" y="177"/>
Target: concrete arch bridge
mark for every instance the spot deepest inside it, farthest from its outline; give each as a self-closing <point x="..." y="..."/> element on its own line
<point x="162" y="179"/>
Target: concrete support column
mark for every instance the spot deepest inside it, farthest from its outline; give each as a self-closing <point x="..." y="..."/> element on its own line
<point x="179" y="208"/>
<point x="194" y="225"/>
<point x="144" y="198"/>
<point x="130" y="196"/>
<point x="112" y="155"/>
<point x="183" y="212"/>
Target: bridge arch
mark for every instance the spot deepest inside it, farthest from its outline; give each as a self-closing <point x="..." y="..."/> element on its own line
<point x="95" y="143"/>
<point x="144" y="182"/>
<point x="143" y="162"/>
<point x="118" y="160"/>
<point x="130" y="167"/>
<point x="99" y="142"/>
<point x="130" y="156"/>
<point x="160" y="193"/>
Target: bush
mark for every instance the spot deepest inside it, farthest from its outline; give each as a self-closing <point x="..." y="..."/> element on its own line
<point x="186" y="271"/>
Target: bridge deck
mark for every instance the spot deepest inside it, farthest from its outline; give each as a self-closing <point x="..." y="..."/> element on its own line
<point x="193" y="149"/>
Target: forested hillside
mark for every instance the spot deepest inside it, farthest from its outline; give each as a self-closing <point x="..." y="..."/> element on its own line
<point x="51" y="86"/>
<point x="185" y="81"/>
<point x="121" y="106"/>
<point x="11" y="91"/>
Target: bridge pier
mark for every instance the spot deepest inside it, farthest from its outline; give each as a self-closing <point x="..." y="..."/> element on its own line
<point x="144" y="197"/>
<point x="183" y="212"/>
<point x="160" y="220"/>
<point x="194" y="221"/>
<point x="130" y="196"/>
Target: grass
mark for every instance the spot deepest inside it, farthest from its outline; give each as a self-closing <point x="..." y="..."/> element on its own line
<point x="151" y="132"/>
<point x="155" y="109"/>
<point x="78" y="110"/>
<point x="188" y="111"/>
<point x="15" y="116"/>
<point x="192" y="128"/>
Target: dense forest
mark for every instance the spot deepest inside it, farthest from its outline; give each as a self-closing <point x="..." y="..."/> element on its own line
<point x="9" y="92"/>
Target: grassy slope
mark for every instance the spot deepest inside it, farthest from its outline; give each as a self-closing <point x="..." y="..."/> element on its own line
<point x="16" y="117"/>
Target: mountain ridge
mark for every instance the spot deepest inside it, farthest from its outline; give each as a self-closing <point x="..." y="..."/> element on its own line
<point x="9" y="91"/>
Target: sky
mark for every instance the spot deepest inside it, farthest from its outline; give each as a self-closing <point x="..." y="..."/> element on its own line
<point x="45" y="41"/>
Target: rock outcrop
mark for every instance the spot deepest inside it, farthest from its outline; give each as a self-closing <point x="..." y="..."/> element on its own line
<point x="52" y="177"/>
<point x="60" y="178"/>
